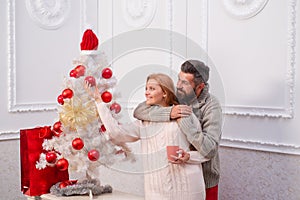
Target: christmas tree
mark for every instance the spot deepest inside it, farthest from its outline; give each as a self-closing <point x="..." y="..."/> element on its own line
<point x="79" y="141"/>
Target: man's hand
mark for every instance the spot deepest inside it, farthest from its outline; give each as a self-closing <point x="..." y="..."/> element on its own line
<point x="180" y="111"/>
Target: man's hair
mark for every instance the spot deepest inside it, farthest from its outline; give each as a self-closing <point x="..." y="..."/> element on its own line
<point x="199" y="69"/>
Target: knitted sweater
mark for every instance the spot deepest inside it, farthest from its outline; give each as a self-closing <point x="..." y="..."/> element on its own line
<point x="208" y="111"/>
<point x="162" y="179"/>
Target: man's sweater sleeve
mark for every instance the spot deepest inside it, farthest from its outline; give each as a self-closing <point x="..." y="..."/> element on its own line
<point x="205" y="138"/>
<point x="152" y="113"/>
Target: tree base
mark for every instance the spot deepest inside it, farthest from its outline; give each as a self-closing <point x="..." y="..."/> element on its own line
<point x="81" y="188"/>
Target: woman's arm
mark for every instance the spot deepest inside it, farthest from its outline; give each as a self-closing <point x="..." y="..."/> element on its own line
<point x="118" y="133"/>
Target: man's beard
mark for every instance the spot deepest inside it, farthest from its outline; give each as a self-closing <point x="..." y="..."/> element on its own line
<point x="185" y="98"/>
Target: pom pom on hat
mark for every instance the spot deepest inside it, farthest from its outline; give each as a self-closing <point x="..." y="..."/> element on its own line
<point x="89" y="41"/>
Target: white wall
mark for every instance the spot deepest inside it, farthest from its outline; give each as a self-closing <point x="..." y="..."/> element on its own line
<point x="259" y="65"/>
<point x="253" y="45"/>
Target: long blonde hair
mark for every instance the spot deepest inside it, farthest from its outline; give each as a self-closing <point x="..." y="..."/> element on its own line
<point x="167" y="86"/>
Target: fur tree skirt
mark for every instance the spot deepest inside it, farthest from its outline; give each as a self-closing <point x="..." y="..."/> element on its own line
<point x="81" y="188"/>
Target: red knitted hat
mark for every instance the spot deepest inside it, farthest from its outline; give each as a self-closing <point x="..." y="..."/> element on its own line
<point x="89" y="41"/>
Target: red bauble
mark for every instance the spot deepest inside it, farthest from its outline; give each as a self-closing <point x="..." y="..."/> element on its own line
<point x="80" y="69"/>
<point x="62" y="164"/>
<point x="51" y="157"/>
<point x="93" y="155"/>
<point x="57" y="127"/>
<point x="106" y="96"/>
<point x="116" y="107"/>
<point x="102" y="128"/>
<point x="77" y="144"/>
<point x="67" y="93"/>
<point x="63" y="184"/>
<point x="106" y="73"/>
<point x="66" y="183"/>
<point x="60" y="99"/>
<point x="73" y="73"/>
<point x="91" y="80"/>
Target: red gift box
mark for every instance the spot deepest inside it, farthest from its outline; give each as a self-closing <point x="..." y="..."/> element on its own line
<point x="35" y="182"/>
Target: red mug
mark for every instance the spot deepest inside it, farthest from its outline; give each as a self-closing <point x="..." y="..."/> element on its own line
<point x="172" y="150"/>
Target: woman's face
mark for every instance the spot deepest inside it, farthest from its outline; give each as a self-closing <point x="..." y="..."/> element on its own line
<point x="154" y="93"/>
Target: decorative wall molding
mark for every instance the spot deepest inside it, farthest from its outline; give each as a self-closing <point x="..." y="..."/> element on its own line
<point x="12" y="90"/>
<point x="60" y="6"/>
<point x="170" y="24"/>
<point x="204" y="24"/>
<point x="11" y="62"/>
<point x="287" y="111"/>
<point x="258" y="111"/>
<point x="291" y="60"/>
<point x="139" y="13"/>
<point x="83" y="20"/>
<point x="244" y="9"/>
<point x="9" y="135"/>
<point x="48" y="14"/>
<point x="260" y="146"/>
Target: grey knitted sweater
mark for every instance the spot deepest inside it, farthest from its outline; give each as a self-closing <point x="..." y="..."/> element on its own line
<point x="208" y="111"/>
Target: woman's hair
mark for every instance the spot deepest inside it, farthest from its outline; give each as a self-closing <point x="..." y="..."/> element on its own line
<point x="167" y="86"/>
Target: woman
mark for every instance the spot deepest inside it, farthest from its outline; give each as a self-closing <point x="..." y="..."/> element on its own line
<point x="180" y="178"/>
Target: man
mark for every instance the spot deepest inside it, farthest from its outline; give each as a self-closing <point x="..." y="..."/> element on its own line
<point x="193" y="91"/>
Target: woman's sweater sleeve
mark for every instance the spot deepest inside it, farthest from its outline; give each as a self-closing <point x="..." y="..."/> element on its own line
<point x="120" y="133"/>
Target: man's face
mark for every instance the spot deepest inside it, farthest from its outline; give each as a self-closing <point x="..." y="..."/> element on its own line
<point x="185" y="87"/>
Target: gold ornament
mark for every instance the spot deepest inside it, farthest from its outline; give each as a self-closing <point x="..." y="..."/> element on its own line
<point x="77" y="113"/>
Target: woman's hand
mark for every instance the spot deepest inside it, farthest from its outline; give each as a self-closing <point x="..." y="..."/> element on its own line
<point x="94" y="93"/>
<point x="182" y="157"/>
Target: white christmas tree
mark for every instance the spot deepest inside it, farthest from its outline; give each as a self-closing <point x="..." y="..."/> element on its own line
<point x="80" y="143"/>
